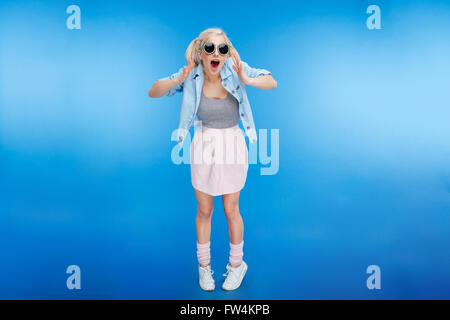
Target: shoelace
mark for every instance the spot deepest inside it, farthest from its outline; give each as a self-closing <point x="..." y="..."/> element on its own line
<point x="230" y="270"/>
<point x="210" y="273"/>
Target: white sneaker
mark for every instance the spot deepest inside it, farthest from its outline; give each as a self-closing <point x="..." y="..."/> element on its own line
<point x="206" y="280"/>
<point x="234" y="276"/>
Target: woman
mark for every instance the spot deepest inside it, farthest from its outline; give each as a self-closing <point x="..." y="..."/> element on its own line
<point x="213" y="86"/>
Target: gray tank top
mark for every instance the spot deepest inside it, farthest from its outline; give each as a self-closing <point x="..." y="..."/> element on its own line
<point x="218" y="113"/>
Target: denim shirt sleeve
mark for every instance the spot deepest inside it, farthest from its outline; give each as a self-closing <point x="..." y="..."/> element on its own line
<point x="254" y="72"/>
<point x="177" y="88"/>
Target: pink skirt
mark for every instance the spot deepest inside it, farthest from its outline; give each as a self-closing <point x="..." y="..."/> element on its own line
<point x="219" y="160"/>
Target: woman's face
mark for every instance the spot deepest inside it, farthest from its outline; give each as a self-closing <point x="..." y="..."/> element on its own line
<point x="210" y="65"/>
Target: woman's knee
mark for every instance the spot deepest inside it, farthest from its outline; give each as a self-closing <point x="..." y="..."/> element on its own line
<point x="205" y="212"/>
<point x="231" y="212"/>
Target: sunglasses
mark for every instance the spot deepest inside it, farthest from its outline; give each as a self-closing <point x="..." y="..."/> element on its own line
<point x="210" y="48"/>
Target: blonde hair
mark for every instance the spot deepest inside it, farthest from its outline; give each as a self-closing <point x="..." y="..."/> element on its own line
<point x="197" y="43"/>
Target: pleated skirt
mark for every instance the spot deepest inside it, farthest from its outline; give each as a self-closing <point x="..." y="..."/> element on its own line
<point x="219" y="160"/>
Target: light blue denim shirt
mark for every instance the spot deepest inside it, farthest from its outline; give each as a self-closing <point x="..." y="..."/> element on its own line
<point x="192" y="90"/>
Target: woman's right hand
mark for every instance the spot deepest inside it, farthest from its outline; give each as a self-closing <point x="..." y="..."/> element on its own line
<point x="186" y="70"/>
<point x="163" y="86"/>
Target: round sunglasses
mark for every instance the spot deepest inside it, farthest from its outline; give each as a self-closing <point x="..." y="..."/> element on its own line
<point x="210" y="48"/>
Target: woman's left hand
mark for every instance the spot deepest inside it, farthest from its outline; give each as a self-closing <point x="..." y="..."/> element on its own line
<point x="240" y="69"/>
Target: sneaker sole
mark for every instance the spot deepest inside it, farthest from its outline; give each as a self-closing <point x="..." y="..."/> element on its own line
<point x="240" y="281"/>
<point x="207" y="290"/>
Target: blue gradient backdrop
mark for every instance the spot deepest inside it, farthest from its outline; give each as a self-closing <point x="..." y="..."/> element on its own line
<point x="86" y="176"/>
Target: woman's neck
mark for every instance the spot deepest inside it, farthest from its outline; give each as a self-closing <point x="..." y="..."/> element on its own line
<point x="212" y="79"/>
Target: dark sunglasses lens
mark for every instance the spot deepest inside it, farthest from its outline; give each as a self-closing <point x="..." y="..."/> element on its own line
<point x="223" y="48"/>
<point x="209" y="47"/>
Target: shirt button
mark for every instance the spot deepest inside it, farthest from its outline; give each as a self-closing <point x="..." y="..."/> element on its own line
<point x="224" y="84"/>
<point x="232" y="91"/>
<point x="248" y="127"/>
<point x="242" y="114"/>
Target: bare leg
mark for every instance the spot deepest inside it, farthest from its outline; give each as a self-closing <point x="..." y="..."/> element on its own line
<point x="234" y="219"/>
<point x="205" y="205"/>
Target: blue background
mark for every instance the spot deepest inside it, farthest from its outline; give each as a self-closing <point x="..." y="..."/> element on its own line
<point x="86" y="176"/>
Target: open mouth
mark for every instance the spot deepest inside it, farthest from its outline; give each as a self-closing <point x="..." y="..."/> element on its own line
<point x="215" y="63"/>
